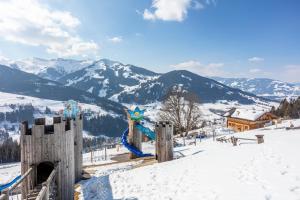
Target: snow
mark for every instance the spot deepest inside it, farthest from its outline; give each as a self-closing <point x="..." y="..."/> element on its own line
<point x="55" y="106"/>
<point x="248" y="114"/>
<point x="90" y="90"/>
<point x="9" y="171"/>
<point x="8" y="99"/>
<point x="102" y="93"/>
<point x="272" y="89"/>
<point x="38" y="65"/>
<point x="210" y="170"/>
<point x="186" y="77"/>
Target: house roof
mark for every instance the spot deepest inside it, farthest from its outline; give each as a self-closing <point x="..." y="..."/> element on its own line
<point x="247" y="114"/>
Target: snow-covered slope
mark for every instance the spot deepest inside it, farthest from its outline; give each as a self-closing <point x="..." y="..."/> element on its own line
<point x="15" y="108"/>
<point x="268" y="88"/>
<point x="51" y="69"/>
<point x="210" y="171"/>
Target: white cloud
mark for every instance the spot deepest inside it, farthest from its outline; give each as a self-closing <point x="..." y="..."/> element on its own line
<point x="116" y="39"/>
<point x="171" y="10"/>
<point x="31" y="23"/>
<point x="255" y="70"/>
<point x="211" y="69"/>
<point x="256" y="59"/>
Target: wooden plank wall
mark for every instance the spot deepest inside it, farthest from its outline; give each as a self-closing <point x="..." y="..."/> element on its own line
<point x="78" y="147"/>
<point x="164" y="141"/>
<point x="56" y="147"/>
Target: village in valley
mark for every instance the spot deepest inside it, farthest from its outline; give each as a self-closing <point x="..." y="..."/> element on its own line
<point x="209" y="111"/>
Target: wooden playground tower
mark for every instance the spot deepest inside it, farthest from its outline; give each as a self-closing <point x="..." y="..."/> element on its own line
<point x="163" y="139"/>
<point x="51" y="158"/>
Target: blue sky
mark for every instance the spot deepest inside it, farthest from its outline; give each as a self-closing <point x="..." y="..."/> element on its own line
<point x="237" y="38"/>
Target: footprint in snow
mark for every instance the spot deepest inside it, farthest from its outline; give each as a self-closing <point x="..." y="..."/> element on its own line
<point x="295" y="189"/>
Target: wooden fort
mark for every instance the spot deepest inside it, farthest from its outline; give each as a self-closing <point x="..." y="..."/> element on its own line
<point x="51" y="155"/>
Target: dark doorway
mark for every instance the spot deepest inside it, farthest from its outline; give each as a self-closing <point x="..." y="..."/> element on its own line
<point x="44" y="169"/>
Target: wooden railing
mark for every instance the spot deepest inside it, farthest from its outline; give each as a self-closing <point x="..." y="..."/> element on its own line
<point x="7" y="191"/>
<point x="3" y="197"/>
<point x="45" y="191"/>
<point x="234" y="140"/>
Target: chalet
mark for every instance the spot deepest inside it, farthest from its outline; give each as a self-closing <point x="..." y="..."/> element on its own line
<point x="246" y="119"/>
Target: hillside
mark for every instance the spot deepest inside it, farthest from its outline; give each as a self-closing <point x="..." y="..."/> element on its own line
<point x="17" y="108"/>
<point x="268" y="88"/>
<point x="17" y="89"/>
<point x="209" y="170"/>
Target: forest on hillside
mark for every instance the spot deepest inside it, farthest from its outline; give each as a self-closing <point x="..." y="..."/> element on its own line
<point x="288" y="109"/>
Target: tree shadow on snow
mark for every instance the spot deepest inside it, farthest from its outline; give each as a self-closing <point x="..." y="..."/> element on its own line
<point x="197" y="152"/>
<point x="99" y="188"/>
<point x="241" y="143"/>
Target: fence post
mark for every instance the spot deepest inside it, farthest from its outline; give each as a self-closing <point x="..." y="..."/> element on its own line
<point x="260" y="139"/>
<point x="234" y="141"/>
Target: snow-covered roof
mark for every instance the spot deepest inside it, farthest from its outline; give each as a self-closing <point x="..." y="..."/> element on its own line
<point x="248" y="114"/>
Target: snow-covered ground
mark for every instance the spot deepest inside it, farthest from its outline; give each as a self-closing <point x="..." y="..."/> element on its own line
<point x="211" y="170"/>
<point x="9" y="171"/>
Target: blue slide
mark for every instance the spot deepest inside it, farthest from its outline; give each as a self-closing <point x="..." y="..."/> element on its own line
<point x="2" y="187"/>
<point x="131" y="148"/>
<point x="150" y="134"/>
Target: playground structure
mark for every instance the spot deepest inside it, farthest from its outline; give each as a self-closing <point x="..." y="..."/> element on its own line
<point x="51" y="159"/>
<point x="51" y="155"/>
<point x="132" y="136"/>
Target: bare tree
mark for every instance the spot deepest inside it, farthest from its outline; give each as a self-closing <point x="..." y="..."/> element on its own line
<point x="181" y="108"/>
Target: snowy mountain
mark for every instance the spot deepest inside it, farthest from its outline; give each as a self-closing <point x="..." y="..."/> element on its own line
<point x="106" y="78"/>
<point x="207" y="89"/>
<point x="128" y="84"/>
<point x="51" y="69"/>
<point x="268" y="88"/>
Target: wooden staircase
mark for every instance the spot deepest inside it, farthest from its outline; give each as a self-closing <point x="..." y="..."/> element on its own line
<point x="34" y="193"/>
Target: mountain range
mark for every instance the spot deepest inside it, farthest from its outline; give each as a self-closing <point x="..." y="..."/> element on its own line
<point x="110" y="85"/>
<point x="264" y="87"/>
